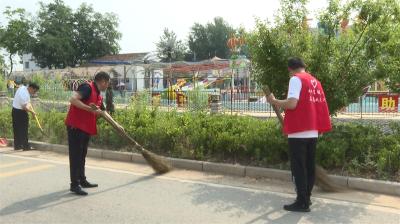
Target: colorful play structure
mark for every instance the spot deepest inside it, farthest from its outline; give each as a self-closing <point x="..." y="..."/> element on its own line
<point x="178" y="91"/>
<point x="173" y="90"/>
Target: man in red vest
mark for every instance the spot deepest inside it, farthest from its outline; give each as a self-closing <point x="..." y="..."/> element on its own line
<point x="81" y="124"/>
<point x="306" y="116"/>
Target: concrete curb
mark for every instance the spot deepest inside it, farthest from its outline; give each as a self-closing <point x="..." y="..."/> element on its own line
<point x="138" y="158"/>
<point x="229" y="169"/>
<point x="49" y="147"/>
<point x="119" y="156"/>
<point x="257" y="172"/>
<point x="95" y="153"/>
<point x="376" y="186"/>
<point x="340" y="181"/>
<point x="380" y="186"/>
<point x="186" y="164"/>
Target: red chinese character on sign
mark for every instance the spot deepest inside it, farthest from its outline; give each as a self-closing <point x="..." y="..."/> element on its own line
<point x="388" y="103"/>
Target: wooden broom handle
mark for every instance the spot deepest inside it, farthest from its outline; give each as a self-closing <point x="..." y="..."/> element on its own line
<point x="267" y="92"/>
<point x="37" y="121"/>
<point x="116" y="126"/>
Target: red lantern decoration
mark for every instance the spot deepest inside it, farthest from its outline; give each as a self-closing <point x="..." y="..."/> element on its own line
<point x="234" y="42"/>
<point x="231" y="43"/>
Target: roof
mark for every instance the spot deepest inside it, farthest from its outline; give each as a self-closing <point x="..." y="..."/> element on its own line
<point x="116" y="59"/>
<point x="187" y="67"/>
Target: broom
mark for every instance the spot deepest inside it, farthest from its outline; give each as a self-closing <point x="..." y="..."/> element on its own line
<point x="159" y="165"/>
<point x="37" y="122"/>
<point x="322" y="179"/>
<point x="40" y="126"/>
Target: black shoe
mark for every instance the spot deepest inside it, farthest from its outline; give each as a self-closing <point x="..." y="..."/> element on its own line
<point x="77" y="190"/>
<point x="86" y="184"/>
<point x="28" y="148"/>
<point x="308" y="198"/>
<point x="297" y="206"/>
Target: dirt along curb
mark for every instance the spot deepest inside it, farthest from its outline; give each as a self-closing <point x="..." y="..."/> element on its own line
<point x="371" y="185"/>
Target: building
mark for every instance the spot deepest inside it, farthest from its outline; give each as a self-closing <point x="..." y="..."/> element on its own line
<point x="29" y="63"/>
<point x="132" y="71"/>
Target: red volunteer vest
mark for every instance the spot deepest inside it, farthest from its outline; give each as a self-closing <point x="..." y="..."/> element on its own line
<point x="311" y="112"/>
<point x="82" y="119"/>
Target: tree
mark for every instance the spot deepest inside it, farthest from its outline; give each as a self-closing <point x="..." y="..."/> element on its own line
<point x="199" y="43"/>
<point x="2" y="74"/>
<point x="67" y="38"/>
<point x="95" y="34"/>
<point x="55" y="47"/>
<point x="210" y="40"/>
<point x="169" y="48"/>
<point x="382" y="39"/>
<point x="2" y="62"/>
<point x="345" y="59"/>
<point x="16" y="38"/>
<point x="2" y="65"/>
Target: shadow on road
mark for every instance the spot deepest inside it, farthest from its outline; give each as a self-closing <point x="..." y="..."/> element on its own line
<point x="268" y="207"/>
<point x="58" y="198"/>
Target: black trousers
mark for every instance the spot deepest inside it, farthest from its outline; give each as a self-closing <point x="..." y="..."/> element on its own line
<point x="302" y="162"/>
<point x="78" y="141"/>
<point x="20" y="120"/>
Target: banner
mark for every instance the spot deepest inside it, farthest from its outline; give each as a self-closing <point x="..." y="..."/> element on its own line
<point x="388" y="103"/>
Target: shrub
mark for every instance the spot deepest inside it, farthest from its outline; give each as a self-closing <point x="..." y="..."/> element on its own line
<point x="353" y="148"/>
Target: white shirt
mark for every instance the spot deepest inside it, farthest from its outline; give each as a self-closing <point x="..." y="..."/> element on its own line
<point x="294" y="92"/>
<point x="21" y="97"/>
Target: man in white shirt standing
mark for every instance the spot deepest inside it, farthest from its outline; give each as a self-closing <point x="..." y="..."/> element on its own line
<point x="306" y="116"/>
<point x="21" y="107"/>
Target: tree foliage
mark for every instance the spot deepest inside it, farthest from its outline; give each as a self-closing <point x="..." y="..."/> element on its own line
<point x="17" y="36"/>
<point x="382" y="39"/>
<point x="67" y="38"/>
<point x="59" y="37"/>
<point x="54" y="46"/>
<point x="344" y="58"/>
<point x="95" y="34"/>
<point x="169" y="48"/>
<point x="207" y="41"/>
<point x="3" y="65"/>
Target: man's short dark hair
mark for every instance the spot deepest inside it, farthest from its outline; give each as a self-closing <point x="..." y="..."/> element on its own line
<point x="296" y="63"/>
<point x="102" y="76"/>
<point x="34" y="86"/>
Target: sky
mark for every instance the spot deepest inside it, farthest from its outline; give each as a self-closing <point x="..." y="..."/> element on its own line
<point x="142" y="22"/>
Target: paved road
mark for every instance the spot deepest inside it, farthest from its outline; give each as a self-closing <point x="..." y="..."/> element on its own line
<point x="34" y="189"/>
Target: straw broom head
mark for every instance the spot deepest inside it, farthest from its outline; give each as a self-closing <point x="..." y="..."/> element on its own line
<point x="159" y="165"/>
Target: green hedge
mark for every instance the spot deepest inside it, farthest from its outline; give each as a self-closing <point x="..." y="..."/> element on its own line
<point x="350" y="149"/>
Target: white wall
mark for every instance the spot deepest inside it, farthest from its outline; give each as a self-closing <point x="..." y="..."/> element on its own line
<point x="136" y="77"/>
<point x="28" y="63"/>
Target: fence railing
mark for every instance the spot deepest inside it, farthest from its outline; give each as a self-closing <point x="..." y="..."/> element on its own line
<point x="368" y="105"/>
<point x="230" y="101"/>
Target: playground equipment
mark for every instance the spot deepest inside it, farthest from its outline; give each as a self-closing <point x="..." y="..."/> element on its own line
<point x="175" y="89"/>
<point x="180" y="91"/>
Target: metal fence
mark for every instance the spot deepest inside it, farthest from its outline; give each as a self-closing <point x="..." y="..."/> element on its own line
<point x="244" y="98"/>
<point x="368" y="106"/>
<point x="251" y="103"/>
